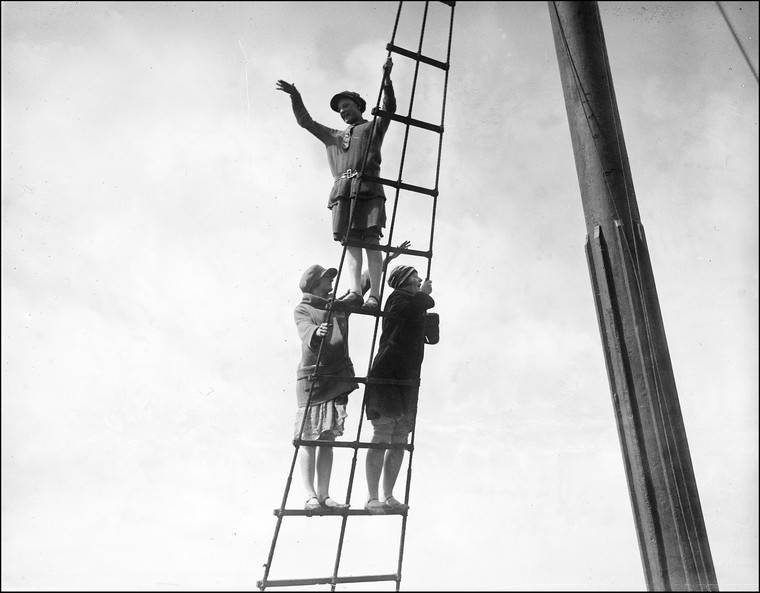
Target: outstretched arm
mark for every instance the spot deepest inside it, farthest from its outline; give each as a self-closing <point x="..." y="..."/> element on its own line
<point x="366" y="283"/>
<point x="387" y="69"/>
<point x="302" y="115"/>
<point x="389" y="95"/>
<point x="391" y="256"/>
<point x="299" y="110"/>
<point x="387" y="82"/>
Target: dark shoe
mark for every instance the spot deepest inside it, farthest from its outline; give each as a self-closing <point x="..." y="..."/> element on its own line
<point x="350" y="302"/>
<point x="394" y="505"/>
<point x="372" y="305"/>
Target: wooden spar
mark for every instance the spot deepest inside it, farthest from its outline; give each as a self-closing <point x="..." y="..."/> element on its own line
<point x="671" y="532"/>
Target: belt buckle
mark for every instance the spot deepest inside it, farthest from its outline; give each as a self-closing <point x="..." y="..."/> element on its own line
<point x="349" y="173"/>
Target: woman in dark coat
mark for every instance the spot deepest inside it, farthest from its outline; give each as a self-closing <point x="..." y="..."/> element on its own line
<point x="392" y="407"/>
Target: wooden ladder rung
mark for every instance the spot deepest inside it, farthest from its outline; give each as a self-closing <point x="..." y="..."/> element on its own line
<point x="409" y="121"/>
<point x="375" y="247"/>
<point x="326" y="580"/>
<point x="353" y="444"/>
<point x="417" y="56"/>
<point x="336" y="513"/>
<point x="400" y="185"/>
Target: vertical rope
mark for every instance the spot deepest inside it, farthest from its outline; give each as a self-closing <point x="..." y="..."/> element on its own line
<point x="440" y="140"/>
<point x="354" y="457"/>
<point x="738" y="42"/>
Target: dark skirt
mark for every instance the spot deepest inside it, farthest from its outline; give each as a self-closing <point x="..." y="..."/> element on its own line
<point x="369" y="213"/>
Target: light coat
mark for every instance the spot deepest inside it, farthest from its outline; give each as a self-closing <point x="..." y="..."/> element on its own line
<point x="309" y="314"/>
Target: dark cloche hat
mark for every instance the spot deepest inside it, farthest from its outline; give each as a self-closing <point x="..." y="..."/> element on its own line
<point x="355" y="97"/>
<point x="400" y="275"/>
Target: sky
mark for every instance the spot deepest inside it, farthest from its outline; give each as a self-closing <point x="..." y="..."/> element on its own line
<point x="159" y="205"/>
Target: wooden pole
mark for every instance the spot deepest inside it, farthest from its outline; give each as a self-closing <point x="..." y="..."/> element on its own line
<point x="671" y="532"/>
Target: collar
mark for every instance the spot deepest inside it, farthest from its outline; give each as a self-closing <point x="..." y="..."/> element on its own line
<point x="315" y="301"/>
<point x="351" y="126"/>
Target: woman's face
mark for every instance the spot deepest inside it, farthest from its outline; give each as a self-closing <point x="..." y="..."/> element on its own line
<point x="349" y="111"/>
<point x="413" y="283"/>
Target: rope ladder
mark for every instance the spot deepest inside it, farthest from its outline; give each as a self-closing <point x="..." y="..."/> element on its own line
<point x="409" y="122"/>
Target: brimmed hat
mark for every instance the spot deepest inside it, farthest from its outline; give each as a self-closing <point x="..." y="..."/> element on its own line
<point x="400" y="275"/>
<point x="313" y="275"/>
<point x="355" y="97"/>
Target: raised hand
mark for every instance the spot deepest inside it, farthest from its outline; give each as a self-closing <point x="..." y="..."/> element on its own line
<point x="287" y="87"/>
<point x="387" y="67"/>
<point x="393" y="255"/>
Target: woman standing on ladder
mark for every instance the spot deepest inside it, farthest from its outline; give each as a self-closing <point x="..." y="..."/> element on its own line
<point x="321" y="402"/>
<point x="345" y="153"/>
<point x="392" y="407"/>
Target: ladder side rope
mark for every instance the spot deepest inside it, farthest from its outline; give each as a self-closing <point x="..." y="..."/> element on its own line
<point x="392" y="226"/>
<point x="354" y="457"/>
<point x="390" y="235"/>
<point x="440" y="137"/>
<point x="289" y="480"/>
<point x="384" y="272"/>
<point x="429" y="265"/>
<point x="407" y="488"/>
<point x="736" y="39"/>
<point x="396" y="200"/>
<point x="315" y="375"/>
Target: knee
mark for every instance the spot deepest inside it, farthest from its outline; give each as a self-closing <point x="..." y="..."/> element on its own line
<point x="381" y="436"/>
<point x="400" y="435"/>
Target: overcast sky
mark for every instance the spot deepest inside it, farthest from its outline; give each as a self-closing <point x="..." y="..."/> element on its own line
<point x="159" y="204"/>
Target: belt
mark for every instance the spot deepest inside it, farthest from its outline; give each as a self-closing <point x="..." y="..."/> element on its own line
<point x="348" y="175"/>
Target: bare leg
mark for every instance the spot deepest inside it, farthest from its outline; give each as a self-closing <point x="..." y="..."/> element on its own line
<point x="354" y="268"/>
<point x="324" y="469"/>
<point x="391" y="468"/>
<point x="374" y="467"/>
<point x="307" y="470"/>
<point x="374" y="266"/>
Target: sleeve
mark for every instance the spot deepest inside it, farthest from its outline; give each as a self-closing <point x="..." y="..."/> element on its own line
<point x="389" y="98"/>
<point x="389" y="105"/>
<point x="307" y="328"/>
<point x="323" y="133"/>
<point x="414" y="306"/>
